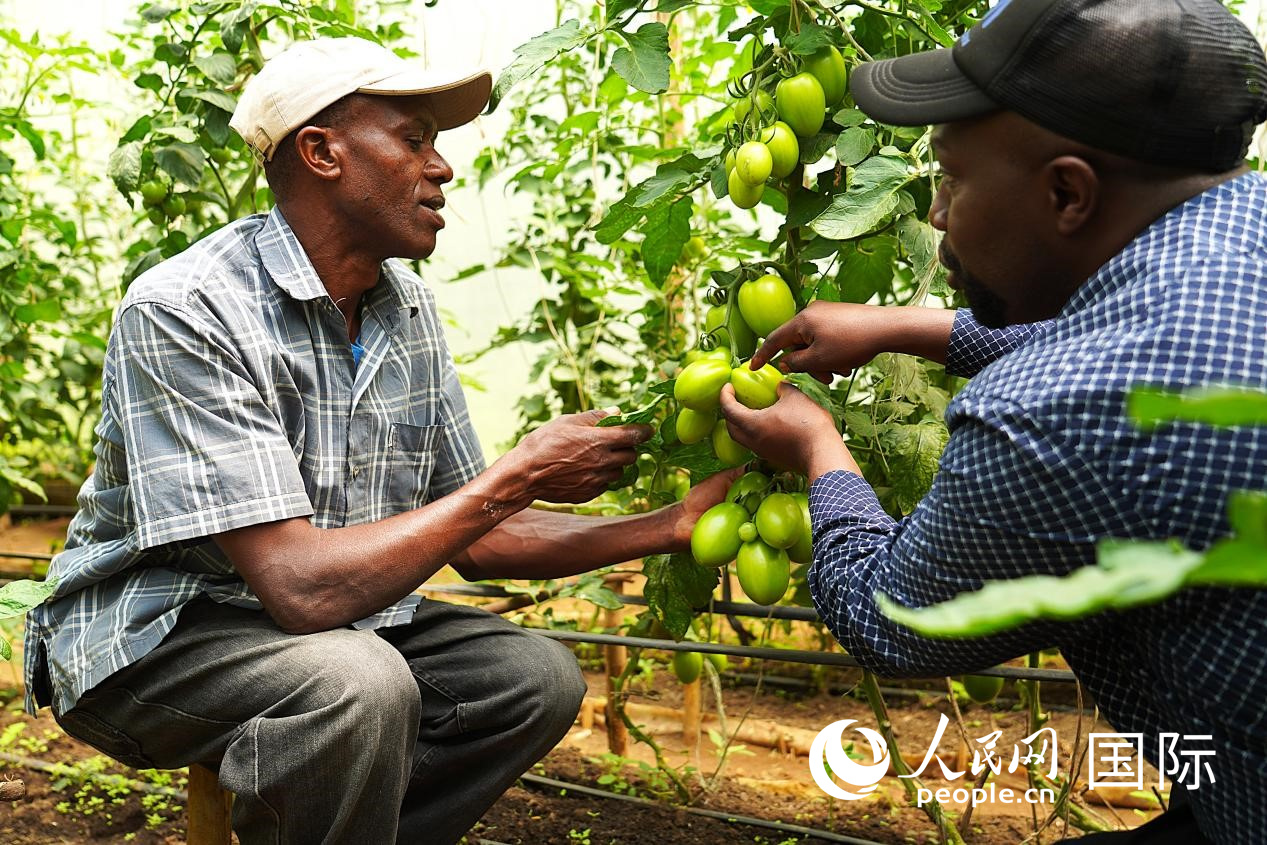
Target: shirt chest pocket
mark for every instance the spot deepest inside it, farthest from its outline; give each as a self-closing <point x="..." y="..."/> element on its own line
<point x="411" y="458"/>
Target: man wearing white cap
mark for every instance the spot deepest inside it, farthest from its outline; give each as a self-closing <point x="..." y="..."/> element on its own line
<point x="284" y="456"/>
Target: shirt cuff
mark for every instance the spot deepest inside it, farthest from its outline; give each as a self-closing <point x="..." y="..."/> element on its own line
<point x="841" y="496"/>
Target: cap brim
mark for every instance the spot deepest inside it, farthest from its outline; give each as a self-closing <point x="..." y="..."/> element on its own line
<point x="454" y="102"/>
<point x="918" y="89"/>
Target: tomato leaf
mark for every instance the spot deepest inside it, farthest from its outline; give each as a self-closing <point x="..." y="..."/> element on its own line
<point x="810" y="39"/>
<point x="530" y="57"/>
<point x="184" y="162"/>
<point x="872" y="196"/>
<point x="17" y="597"/>
<point x="697" y="459"/>
<point x="912" y="452"/>
<point x="124" y="166"/>
<point x="671" y="181"/>
<point x="645" y="63"/>
<point x="218" y="67"/>
<point x="643" y="415"/>
<point x="676" y="586"/>
<point x="1218" y="406"/>
<point x="668" y="229"/>
<point x="854" y="145"/>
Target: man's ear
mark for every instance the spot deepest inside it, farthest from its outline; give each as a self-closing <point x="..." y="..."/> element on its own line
<point x="318" y="152"/>
<point x="1073" y="190"/>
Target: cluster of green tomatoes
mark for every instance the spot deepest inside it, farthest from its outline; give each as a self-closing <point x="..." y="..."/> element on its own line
<point x="769" y="125"/>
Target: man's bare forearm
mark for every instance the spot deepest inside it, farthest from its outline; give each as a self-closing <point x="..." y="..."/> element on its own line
<point x="924" y="332"/>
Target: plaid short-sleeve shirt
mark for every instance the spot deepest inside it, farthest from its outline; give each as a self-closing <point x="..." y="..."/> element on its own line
<point x="1043" y="462"/>
<point x="230" y="398"/>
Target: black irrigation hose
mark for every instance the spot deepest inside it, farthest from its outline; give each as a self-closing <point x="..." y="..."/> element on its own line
<point x="732" y="818"/>
<point x="820" y="658"/>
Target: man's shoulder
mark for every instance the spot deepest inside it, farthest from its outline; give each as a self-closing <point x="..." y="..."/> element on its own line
<point x="225" y="259"/>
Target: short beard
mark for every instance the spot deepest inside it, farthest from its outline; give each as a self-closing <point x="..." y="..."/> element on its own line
<point x="987" y="308"/>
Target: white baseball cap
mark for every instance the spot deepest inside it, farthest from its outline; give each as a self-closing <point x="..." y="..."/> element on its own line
<point x="309" y="75"/>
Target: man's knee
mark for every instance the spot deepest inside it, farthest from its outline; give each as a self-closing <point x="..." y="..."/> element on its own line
<point x="557" y="685"/>
<point x="359" y="677"/>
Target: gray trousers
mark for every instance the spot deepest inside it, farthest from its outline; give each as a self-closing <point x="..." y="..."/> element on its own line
<point x="405" y="734"/>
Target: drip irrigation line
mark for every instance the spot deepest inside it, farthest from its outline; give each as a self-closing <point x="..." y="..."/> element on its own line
<point x="732" y="818"/>
<point x="788" y="655"/>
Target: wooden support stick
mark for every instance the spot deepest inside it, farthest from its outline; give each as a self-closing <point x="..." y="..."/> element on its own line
<point x="615" y="658"/>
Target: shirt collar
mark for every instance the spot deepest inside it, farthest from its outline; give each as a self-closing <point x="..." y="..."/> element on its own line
<point x="288" y="265"/>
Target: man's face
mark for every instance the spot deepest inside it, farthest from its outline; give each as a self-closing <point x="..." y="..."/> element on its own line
<point x="992" y="205"/>
<point x="392" y="175"/>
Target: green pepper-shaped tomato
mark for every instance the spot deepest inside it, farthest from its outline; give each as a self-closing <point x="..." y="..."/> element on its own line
<point x="756" y="389"/>
<point x="699" y="384"/>
<point x="715" y="537"/>
<point x="785" y="151"/>
<point x="779" y="520"/>
<point x="753" y="163"/>
<point x="801" y="104"/>
<point x="694" y="426"/>
<point x="766" y="303"/>
<point x="735" y="332"/>
<point x="748" y="490"/>
<point x="802" y="551"/>
<point x="764" y="571"/>
<point x="828" y="67"/>
<point x="741" y="193"/>
<point x="727" y="450"/>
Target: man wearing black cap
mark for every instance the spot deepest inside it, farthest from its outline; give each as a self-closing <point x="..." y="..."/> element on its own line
<point x="284" y="456"/>
<point x="1101" y="223"/>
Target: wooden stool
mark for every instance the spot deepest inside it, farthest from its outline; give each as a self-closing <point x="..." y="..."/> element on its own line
<point x="209" y="808"/>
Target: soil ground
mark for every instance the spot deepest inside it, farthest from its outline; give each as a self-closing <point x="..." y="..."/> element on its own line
<point x="772" y="783"/>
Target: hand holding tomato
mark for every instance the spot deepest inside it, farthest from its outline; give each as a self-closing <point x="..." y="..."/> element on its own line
<point x="793" y="433"/>
<point x="703" y="496"/>
<point x="571" y="459"/>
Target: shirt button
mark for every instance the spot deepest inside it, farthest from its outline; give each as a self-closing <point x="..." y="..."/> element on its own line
<point x="356" y="471"/>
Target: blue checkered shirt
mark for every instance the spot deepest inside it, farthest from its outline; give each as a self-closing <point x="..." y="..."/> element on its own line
<point x="1042" y="462"/>
<point x="230" y="398"/>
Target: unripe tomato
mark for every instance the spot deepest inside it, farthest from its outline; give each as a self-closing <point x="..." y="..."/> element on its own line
<point x="779" y="520"/>
<point x="982" y="688"/>
<point x="766" y="303"/>
<point x="753" y="163"/>
<point x="730" y="161"/>
<point x="718" y="353"/>
<point x="694" y="426"/>
<point x="828" y="67"/>
<point x="785" y="151"/>
<point x="743" y="106"/>
<point x="699" y="385"/>
<point x="221" y="155"/>
<point x="687" y="665"/>
<point x="747" y="532"/>
<point x="764" y="572"/>
<point x="715" y="537"/>
<point x="743" y="194"/>
<point x="695" y="249"/>
<point x="734" y="333"/>
<point x="174" y="206"/>
<point x="801" y="103"/>
<point x="748" y="490"/>
<point x="156" y="216"/>
<point x="152" y="192"/>
<point x="802" y="551"/>
<point x="720" y="662"/>
<point x="727" y="450"/>
<point x="756" y="389"/>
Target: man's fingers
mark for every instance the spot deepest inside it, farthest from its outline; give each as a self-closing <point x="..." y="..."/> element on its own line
<point x="783" y="337"/>
<point x="625" y="436"/>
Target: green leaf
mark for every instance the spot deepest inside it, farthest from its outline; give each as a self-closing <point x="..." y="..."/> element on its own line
<point x="532" y="56"/>
<point x="809" y="40"/>
<point x="643" y="415"/>
<point x="768" y="7"/>
<point x="671" y="181"/>
<point x="124" y="166"/>
<point x="218" y="67"/>
<point x="866" y="268"/>
<point x="697" y="459"/>
<point x="846" y="118"/>
<point x="157" y="12"/>
<point x="616" y="8"/>
<point x="184" y="162"/>
<point x="912" y="453"/>
<point x="853" y="145"/>
<point x="676" y="587"/>
<point x="27" y="131"/>
<point x="137" y="131"/>
<point x="1247" y="511"/>
<point x="872" y="196"/>
<point x="219" y="99"/>
<point x="17" y="597"/>
<point x="1215" y="406"/>
<point x="668" y="229"/>
<point x="44" y="311"/>
<point x="816" y="390"/>
<point x="645" y="63"/>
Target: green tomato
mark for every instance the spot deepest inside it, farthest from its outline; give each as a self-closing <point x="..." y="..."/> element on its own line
<point x="828" y="67"/>
<point x="802" y="551"/>
<point x="764" y="572"/>
<point x="694" y="426"/>
<point x="749" y="487"/>
<point x="741" y="193"/>
<point x="221" y="155"/>
<point x="785" y="151"/>
<point x="687" y="665"/>
<point x="720" y="662"/>
<point x="156" y="216"/>
<point x="174" y="206"/>
<point x="801" y="104"/>
<point x="715" y="537"/>
<point x="695" y="249"/>
<point x="743" y="106"/>
<point x="730" y="162"/>
<point x="727" y="450"/>
<point x="747" y="532"/>
<point x="753" y="163"/>
<point x="756" y="389"/>
<point x="152" y="192"/>
<point x="982" y="688"/>
<point x="734" y="333"/>
<point x="699" y="385"/>
<point x="766" y="303"/>
<point x="779" y="520"/>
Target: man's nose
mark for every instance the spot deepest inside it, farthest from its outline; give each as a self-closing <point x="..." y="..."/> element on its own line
<point x="438" y="170"/>
<point x="937" y="212"/>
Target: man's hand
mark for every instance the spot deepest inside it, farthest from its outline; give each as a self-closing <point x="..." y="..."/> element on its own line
<point x="703" y="496"/>
<point x="794" y="432"/>
<point x="837" y="337"/>
<point x="570" y="459"/>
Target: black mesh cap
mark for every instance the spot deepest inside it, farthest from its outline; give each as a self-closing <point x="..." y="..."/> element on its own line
<point x="1181" y="83"/>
